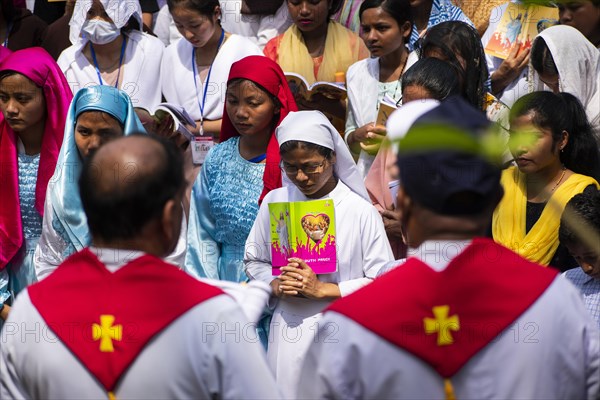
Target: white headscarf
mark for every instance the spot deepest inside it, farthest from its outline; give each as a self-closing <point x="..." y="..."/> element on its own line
<point x="314" y="127"/>
<point x="402" y="119"/>
<point x="118" y="10"/>
<point x="578" y="65"/>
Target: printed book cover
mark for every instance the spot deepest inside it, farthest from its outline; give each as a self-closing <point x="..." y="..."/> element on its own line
<point x="520" y="24"/>
<point x="306" y="230"/>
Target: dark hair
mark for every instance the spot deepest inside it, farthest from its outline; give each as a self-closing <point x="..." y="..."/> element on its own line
<point x="563" y="112"/>
<point x="300" y="144"/>
<point x="585" y="207"/>
<point x="273" y="98"/>
<point x="541" y="58"/>
<point x="400" y="10"/>
<point x="436" y="76"/>
<point x="456" y="38"/>
<point x="204" y="7"/>
<point x="335" y="6"/>
<point x="123" y="212"/>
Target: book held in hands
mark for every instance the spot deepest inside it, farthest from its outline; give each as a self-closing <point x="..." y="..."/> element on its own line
<point x="306" y="230"/>
<point x="520" y="24"/>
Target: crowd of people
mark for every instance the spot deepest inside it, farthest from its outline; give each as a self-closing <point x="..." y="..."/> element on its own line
<point x="136" y="245"/>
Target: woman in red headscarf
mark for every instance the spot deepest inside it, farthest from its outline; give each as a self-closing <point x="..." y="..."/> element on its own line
<point x="239" y="171"/>
<point x="34" y="100"/>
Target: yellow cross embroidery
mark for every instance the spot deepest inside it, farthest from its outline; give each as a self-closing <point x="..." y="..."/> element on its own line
<point x="106" y="332"/>
<point x="442" y="325"/>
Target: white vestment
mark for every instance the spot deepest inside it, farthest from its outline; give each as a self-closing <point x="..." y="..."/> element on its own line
<point x="178" y="78"/>
<point x="552" y="351"/>
<point x="211" y="351"/>
<point x="139" y="75"/>
<point x="362" y="247"/>
<point x="364" y="95"/>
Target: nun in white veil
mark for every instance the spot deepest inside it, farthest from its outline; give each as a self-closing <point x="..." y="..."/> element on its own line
<point x="318" y="165"/>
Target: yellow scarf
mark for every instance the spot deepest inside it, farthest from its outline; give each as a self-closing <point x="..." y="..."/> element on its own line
<point x="294" y="56"/>
<point x="508" y="223"/>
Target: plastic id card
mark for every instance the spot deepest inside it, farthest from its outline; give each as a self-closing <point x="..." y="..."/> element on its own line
<point x="201" y="145"/>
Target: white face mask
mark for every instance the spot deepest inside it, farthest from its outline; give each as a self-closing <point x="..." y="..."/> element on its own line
<point x="99" y="31"/>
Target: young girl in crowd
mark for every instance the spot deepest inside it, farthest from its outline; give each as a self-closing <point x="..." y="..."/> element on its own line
<point x="317" y="48"/>
<point x="34" y="99"/>
<point x="561" y="163"/>
<point x="225" y="197"/>
<point x="565" y="61"/>
<point x="386" y="26"/>
<point x="318" y="163"/>
<point x="195" y="68"/>
<point x="109" y="48"/>
<point x="96" y="115"/>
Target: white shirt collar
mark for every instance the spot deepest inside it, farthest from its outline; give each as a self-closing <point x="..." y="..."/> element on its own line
<point x="114" y="259"/>
<point x="439" y="253"/>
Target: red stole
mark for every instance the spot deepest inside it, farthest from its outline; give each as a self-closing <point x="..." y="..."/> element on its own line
<point x="446" y="317"/>
<point x="106" y="319"/>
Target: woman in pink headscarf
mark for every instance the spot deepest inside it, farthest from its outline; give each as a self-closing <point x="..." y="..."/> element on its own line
<point x="34" y="100"/>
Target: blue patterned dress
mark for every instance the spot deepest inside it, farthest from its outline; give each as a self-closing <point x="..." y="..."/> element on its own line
<point x="19" y="273"/>
<point x="441" y="11"/>
<point x="223" y="207"/>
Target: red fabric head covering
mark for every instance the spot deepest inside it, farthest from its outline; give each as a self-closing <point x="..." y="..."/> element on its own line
<point x="37" y="65"/>
<point x="267" y="74"/>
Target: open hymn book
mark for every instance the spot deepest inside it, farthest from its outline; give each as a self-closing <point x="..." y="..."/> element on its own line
<point x="306" y="230"/>
<point x="180" y="116"/>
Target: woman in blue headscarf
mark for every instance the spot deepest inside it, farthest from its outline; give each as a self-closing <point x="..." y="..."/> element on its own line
<point x="96" y="115"/>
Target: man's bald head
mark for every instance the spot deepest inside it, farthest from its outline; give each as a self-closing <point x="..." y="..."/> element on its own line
<point x="125" y="185"/>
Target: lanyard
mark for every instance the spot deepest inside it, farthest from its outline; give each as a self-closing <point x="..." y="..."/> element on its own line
<point x="8" y="29"/>
<point x="203" y="103"/>
<point x="120" y="62"/>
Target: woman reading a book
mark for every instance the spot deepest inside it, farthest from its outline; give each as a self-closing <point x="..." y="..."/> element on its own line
<point x="195" y="68"/>
<point x="386" y="26"/>
<point x="238" y="171"/>
<point x="318" y="165"/>
<point x="565" y="61"/>
<point x="317" y="48"/>
<point x="562" y="161"/>
<point x="109" y="48"/>
<point x="34" y="99"/>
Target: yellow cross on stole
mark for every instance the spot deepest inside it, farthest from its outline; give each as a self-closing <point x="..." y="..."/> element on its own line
<point x="106" y="333"/>
<point x="442" y="325"/>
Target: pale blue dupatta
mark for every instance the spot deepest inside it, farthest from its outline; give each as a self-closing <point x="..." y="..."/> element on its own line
<point x="69" y="219"/>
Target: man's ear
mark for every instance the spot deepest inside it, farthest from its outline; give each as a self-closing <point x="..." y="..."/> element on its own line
<point x="404" y="205"/>
<point x="171" y="225"/>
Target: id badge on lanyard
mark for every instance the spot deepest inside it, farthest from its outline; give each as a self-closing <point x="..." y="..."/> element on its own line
<point x="200" y="148"/>
<point x="202" y="144"/>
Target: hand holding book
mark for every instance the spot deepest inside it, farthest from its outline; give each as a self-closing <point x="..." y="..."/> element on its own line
<point x="299" y="279"/>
